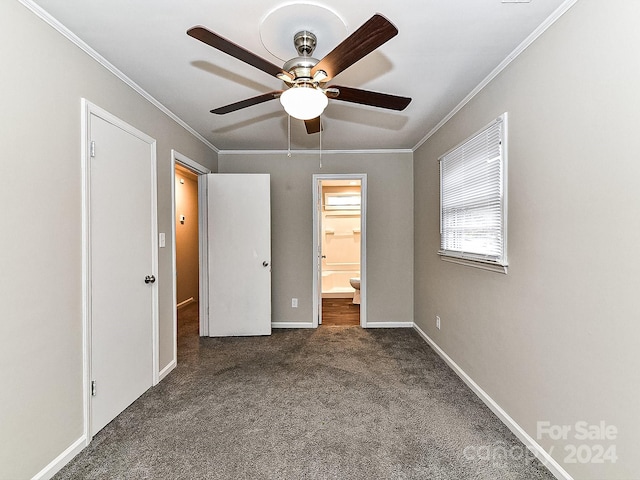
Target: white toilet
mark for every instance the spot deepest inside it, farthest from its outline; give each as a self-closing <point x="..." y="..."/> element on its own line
<point x="355" y="283"/>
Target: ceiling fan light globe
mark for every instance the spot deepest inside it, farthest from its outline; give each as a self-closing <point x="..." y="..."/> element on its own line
<point x="304" y="103"/>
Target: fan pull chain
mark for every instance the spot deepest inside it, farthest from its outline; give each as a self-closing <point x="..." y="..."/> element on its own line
<point x="289" y="136"/>
<point x="320" y="142"/>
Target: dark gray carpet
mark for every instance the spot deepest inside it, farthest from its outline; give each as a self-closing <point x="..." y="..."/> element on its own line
<point x="337" y="402"/>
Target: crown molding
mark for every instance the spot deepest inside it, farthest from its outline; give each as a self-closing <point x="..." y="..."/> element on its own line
<point x="561" y="10"/>
<point x="313" y="152"/>
<point x="45" y="16"/>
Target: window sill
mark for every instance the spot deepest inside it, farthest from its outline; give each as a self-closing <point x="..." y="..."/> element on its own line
<point x="490" y="266"/>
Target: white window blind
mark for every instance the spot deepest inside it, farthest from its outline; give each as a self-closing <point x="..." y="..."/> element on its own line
<point x="473" y="197"/>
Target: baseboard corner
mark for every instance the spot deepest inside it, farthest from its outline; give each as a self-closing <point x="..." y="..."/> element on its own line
<point x="167" y="370"/>
<point x="541" y="454"/>
<point x="61" y="460"/>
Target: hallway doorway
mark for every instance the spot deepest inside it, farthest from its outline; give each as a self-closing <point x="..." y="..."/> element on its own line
<point x="187" y="237"/>
<point x="188" y="243"/>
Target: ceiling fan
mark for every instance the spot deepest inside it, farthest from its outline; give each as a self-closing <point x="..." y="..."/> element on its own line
<point x="307" y="95"/>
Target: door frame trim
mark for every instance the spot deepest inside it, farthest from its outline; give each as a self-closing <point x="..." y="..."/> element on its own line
<point x="316" y="179"/>
<point x="88" y="109"/>
<point x="203" y="281"/>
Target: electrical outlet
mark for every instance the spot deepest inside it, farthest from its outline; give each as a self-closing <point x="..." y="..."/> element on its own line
<point x="294" y="303"/>
<point x="437" y="322"/>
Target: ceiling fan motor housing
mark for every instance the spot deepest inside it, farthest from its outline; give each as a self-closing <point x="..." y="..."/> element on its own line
<point x="300" y="67"/>
<point x="305" y="43"/>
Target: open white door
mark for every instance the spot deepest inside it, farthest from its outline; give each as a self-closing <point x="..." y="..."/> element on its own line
<point x="239" y="254"/>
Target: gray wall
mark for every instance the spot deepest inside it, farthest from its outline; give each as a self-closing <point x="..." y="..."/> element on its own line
<point x="557" y="338"/>
<point x="43" y="80"/>
<point x="389" y="228"/>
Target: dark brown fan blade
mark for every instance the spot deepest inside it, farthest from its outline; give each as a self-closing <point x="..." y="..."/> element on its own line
<point x="216" y="41"/>
<point x="313" y="125"/>
<point x="366" y="97"/>
<point x="375" y="32"/>
<point x="247" y="103"/>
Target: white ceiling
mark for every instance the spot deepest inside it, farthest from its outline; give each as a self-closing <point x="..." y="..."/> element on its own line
<point x="444" y="50"/>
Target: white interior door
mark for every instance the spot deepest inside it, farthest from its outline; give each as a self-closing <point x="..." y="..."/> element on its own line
<point x="122" y="254"/>
<point x="239" y="256"/>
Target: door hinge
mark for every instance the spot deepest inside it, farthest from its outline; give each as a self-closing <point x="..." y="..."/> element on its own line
<point x="92" y="149"/>
<point x="93" y="388"/>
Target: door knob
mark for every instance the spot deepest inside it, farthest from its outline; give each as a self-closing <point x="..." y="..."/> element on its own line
<point x="149" y="279"/>
<point x="265" y="264"/>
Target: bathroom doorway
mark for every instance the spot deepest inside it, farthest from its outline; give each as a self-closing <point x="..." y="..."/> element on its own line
<point x="339" y="250"/>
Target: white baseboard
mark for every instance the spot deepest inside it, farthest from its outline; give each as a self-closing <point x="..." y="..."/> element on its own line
<point x="390" y="325"/>
<point x="166" y="370"/>
<point x="61" y="460"/>
<point x="186" y="302"/>
<point x="541" y="454"/>
<point x="291" y="324"/>
<point x="369" y="325"/>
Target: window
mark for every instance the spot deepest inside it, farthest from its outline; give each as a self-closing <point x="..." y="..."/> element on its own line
<point x="473" y="199"/>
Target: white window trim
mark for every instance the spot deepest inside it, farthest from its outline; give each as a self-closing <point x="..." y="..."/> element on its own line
<point x="472" y="260"/>
<point x="483" y="265"/>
